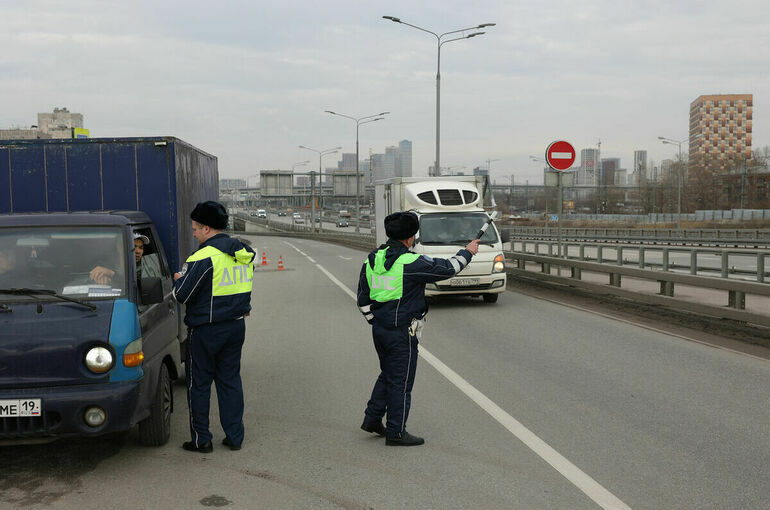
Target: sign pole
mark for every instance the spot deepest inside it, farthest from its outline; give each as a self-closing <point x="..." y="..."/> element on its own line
<point x="560" y="198"/>
<point x="560" y="155"/>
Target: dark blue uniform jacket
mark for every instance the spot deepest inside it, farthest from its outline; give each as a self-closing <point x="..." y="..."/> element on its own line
<point x="193" y="289"/>
<point x="412" y="304"/>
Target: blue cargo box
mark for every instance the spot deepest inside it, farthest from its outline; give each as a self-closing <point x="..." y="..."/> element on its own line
<point x="162" y="176"/>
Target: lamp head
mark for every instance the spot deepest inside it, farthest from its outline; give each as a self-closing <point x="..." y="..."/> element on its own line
<point x="483" y="25"/>
<point x="393" y="19"/>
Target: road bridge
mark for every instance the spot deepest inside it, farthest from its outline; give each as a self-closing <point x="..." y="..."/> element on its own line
<point x="526" y="403"/>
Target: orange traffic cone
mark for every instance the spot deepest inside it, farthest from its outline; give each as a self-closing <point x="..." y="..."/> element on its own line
<point x="264" y="259"/>
<point x="280" y="263"/>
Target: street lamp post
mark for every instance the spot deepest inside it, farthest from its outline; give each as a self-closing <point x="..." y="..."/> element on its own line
<point x="321" y="154"/>
<point x="671" y="141"/>
<point x="437" y="167"/>
<point x="359" y="121"/>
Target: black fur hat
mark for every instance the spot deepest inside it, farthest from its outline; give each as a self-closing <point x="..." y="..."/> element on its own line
<point x="401" y="225"/>
<point x="210" y="213"/>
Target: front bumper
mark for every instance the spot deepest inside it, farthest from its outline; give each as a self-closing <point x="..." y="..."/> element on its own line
<point x="488" y="284"/>
<point x="64" y="407"/>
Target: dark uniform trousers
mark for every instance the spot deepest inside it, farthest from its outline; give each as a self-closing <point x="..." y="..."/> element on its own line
<point x="392" y="393"/>
<point x="214" y="354"/>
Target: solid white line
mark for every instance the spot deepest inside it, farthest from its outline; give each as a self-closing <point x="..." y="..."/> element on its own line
<point x="311" y="260"/>
<point x="335" y="280"/>
<point x="571" y="472"/>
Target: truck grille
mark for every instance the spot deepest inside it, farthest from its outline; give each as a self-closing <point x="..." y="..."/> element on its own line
<point x="28" y="426"/>
<point x="469" y="196"/>
<point x="428" y="197"/>
<point x="450" y="197"/>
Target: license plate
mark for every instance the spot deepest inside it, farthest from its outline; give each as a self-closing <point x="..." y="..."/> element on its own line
<point x="21" y="407"/>
<point x="463" y="282"/>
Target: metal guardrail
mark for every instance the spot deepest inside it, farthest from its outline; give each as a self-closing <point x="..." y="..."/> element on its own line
<point x="727" y="262"/>
<point x="736" y="290"/>
<point x="352" y="239"/>
<point x="703" y="236"/>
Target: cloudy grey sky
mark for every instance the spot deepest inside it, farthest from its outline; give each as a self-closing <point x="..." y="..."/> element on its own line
<point x="249" y="81"/>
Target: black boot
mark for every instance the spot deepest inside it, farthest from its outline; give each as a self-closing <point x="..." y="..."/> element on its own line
<point x="405" y="439"/>
<point x="232" y="446"/>
<point x="375" y="428"/>
<point x="204" y="448"/>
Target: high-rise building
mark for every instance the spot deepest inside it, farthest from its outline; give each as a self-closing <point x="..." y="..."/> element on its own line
<point x="609" y="167"/>
<point x="640" y="166"/>
<point x="348" y="162"/>
<point x="588" y="175"/>
<point x="720" y="132"/>
<point x="390" y="162"/>
<point x="405" y="158"/>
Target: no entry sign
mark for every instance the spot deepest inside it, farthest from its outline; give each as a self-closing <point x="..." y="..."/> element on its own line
<point x="560" y="155"/>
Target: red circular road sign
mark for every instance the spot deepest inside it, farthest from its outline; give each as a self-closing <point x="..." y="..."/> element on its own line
<point x="560" y="155"/>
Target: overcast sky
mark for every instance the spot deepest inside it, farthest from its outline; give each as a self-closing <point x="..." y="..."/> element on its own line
<point x="249" y="81"/>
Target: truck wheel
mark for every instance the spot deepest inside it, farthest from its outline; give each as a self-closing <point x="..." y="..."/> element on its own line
<point x="490" y="298"/>
<point x="156" y="428"/>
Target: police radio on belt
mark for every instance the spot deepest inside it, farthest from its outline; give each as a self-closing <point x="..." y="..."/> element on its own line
<point x="486" y="224"/>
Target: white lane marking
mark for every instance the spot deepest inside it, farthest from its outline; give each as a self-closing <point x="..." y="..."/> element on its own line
<point x="571" y="472"/>
<point x="567" y="469"/>
<point x="311" y="260"/>
<point x="345" y="258"/>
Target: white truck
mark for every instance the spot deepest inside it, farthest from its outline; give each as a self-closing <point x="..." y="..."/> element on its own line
<point x="451" y="214"/>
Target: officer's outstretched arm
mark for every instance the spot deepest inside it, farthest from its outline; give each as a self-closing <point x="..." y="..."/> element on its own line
<point x="429" y="270"/>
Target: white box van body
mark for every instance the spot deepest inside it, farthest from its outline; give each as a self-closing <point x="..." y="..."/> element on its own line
<point x="451" y="214"/>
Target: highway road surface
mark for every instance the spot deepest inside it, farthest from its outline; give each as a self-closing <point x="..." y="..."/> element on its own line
<point x="523" y="404"/>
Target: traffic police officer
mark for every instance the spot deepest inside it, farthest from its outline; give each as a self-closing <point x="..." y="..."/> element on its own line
<point x="215" y="285"/>
<point x="391" y="296"/>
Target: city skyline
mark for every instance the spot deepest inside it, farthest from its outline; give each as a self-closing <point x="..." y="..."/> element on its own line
<point x="250" y="83"/>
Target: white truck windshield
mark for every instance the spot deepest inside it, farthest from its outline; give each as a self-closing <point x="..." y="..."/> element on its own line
<point x="454" y="228"/>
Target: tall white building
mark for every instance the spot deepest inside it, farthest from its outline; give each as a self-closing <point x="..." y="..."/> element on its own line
<point x="589" y="173"/>
<point x="405" y="158"/>
<point x="640" y="166"/>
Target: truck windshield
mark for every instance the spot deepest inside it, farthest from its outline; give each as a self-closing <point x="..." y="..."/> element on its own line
<point x="454" y="228"/>
<point x="77" y="262"/>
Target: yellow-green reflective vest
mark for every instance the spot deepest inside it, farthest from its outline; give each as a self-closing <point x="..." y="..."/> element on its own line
<point x="387" y="285"/>
<point x="232" y="275"/>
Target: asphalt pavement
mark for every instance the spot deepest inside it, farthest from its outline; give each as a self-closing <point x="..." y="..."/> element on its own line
<point x="523" y="404"/>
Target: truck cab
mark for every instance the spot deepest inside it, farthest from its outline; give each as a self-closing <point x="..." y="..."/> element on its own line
<point x="89" y="334"/>
<point x="451" y="214"/>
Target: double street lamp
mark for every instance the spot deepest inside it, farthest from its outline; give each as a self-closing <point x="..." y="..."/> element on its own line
<point x="321" y="154"/>
<point x="671" y="141"/>
<point x="359" y="121"/>
<point x="441" y="41"/>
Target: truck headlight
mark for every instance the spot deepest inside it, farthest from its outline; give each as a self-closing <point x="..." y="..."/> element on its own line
<point x="99" y="360"/>
<point x="499" y="265"/>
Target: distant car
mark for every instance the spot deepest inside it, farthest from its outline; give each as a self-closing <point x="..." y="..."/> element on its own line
<point x="299" y="220"/>
<point x="281" y="213"/>
<point x="252" y="213"/>
<point x="342" y="223"/>
<point x="261" y="213"/>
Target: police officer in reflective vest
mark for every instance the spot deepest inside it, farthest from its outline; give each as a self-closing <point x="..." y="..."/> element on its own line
<point x="215" y="287"/>
<point x="391" y="296"/>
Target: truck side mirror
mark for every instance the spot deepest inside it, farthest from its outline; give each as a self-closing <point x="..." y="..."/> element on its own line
<point x="151" y="291"/>
<point x="505" y="235"/>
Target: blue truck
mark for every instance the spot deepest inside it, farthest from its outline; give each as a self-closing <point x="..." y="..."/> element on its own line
<point x="90" y="335"/>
